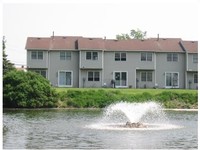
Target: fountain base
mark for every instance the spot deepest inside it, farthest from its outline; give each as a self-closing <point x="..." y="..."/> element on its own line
<point x="134" y="125"/>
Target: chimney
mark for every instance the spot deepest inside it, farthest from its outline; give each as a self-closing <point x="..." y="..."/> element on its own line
<point x="104" y="37"/>
<point x="158" y="37"/>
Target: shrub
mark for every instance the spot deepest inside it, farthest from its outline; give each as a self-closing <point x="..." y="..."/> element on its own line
<point x="27" y="89"/>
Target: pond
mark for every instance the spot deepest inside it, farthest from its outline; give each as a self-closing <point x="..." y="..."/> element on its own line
<point x="83" y="129"/>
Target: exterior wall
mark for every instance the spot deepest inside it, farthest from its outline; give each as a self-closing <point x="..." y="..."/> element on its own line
<point x="133" y="62"/>
<point x="92" y="84"/>
<point x="107" y="66"/>
<point x="191" y="65"/>
<point x="190" y="81"/>
<point x="163" y="66"/>
<point x="56" y="65"/>
<point x="92" y="64"/>
<point x="145" y="84"/>
<point x="37" y="63"/>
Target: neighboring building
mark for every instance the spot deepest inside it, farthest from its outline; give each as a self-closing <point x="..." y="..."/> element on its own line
<point x="75" y="61"/>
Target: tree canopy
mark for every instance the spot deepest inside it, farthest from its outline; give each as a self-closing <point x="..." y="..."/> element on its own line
<point x="27" y="89"/>
<point x="134" y="34"/>
<point x="7" y="65"/>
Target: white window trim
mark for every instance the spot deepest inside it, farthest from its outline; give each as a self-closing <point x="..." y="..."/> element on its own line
<point x="126" y="79"/>
<point x="39" y="70"/>
<point x="172" y="57"/>
<point x="146" y="76"/>
<point x="59" y="78"/>
<point x="91" y="56"/>
<point x="37" y="55"/>
<point x="193" y="58"/>
<point x="168" y="87"/>
<point x="146" y="57"/>
<point x="193" y="77"/>
<point x="94" y="76"/>
<point x="66" y="56"/>
<point x="120" y="53"/>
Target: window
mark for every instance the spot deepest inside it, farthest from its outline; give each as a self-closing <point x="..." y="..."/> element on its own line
<point x="146" y="56"/>
<point x="42" y="72"/>
<point x="146" y="76"/>
<point x="37" y="55"/>
<point x="65" y="79"/>
<point x="93" y="76"/>
<point x="195" y="78"/>
<point x="120" y="79"/>
<point x="65" y="55"/>
<point x="172" y="79"/>
<point x="120" y="56"/>
<point x="172" y="57"/>
<point x="195" y="58"/>
<point x="92" y="55"/>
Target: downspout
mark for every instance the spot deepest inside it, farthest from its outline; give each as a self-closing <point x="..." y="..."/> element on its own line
<point x="155" y="70"/>
<point x="79" y="69"/>
<point x="186" y="65"/>
<point x="102" y="65"/>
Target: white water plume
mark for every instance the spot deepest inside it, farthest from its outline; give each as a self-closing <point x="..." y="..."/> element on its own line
<point x="135" y="112"/>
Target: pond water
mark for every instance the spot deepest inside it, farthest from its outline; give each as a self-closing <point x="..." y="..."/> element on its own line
<point x="78" y="129"/>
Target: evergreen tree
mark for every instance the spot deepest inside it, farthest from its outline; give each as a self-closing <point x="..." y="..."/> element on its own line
<point x="7" y="65"/>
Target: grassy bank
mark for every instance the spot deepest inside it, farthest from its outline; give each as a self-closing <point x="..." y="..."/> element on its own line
<point x="99" y="98"/>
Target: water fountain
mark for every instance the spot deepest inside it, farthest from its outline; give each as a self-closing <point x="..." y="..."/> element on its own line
<point x="134" y="116"/>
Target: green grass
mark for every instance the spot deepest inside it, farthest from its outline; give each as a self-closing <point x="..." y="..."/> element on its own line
<point x="131" y="91"/>
<point x="102" y="97"/>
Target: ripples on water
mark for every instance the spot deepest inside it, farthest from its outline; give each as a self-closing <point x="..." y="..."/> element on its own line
<point x="62" y="128"/>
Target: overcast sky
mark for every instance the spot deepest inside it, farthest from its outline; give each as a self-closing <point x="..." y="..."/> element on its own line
<point x="169" y="18"/>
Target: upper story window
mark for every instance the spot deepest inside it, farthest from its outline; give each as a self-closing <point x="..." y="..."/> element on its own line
<point x="93" y="76"/>
<point x="120" y="56"/>
<point x="37" y="55"/>
<point x="91" y="55"/>
<point x="146" y="56"/>
<point x="65" y="55"/>
<point x="172" y="57"/>
<point x="195" y="58"/>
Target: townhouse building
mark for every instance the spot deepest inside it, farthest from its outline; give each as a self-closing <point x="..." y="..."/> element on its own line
<point x="75" y="61"/>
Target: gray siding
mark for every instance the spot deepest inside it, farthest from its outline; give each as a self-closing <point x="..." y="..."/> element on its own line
<point x="163" y="66"/>
<point x="190" y="81"/>
<point x="66" y="65"/>
<point x="191" y="65"/>
<point x="37" y="63"/>
<point x="92" y="64"/>
<point x="133" y="62"/>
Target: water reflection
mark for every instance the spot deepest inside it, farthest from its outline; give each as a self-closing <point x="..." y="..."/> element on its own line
<point x="47" y="129"/>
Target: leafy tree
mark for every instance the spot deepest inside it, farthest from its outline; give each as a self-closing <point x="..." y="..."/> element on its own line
<point x="27" y="89"/>
<point x="123" y="37"/>
<point x="7" y="65"/>
<point x="138" y="34"/>
<point x="134" y="34"/>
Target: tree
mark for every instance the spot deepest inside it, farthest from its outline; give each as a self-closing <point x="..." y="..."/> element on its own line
<point x="138" y="34"/>
<point x="7" y="65"/>
<point x="122" y="37"/>
<point x="134" y="34"/>
<point x="27" y="90"/>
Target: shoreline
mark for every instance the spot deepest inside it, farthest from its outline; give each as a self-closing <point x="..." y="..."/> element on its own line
<point x="177" y="109"/>
<point x="71" y="108"/>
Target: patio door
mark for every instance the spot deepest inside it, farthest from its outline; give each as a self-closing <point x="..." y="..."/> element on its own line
<point x="120" y="79"/>
<point x="65" y="78"/>
<point x="172" y="80"/>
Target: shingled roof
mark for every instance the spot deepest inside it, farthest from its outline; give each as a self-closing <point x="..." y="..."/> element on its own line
<point x="83" y="43"/>
<point x="190" y="46"/>
<point x="37" y="43"/>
